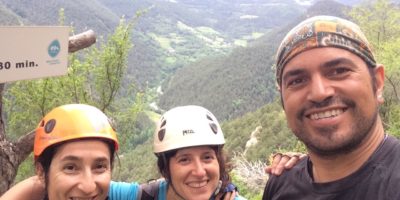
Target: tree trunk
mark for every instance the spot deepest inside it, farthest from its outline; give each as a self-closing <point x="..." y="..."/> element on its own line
<point x="13" y="153"/>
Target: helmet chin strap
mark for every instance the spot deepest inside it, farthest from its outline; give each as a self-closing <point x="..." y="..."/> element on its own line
<point x="218" y="188"/>
<point x="212" y="197"/>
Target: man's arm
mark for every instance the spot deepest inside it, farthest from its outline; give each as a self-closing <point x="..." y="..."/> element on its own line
<point x="32" y="188"/>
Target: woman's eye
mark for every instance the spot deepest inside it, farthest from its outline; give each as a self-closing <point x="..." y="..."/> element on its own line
<point x="183" y="160"/>
<point x="209" y="157"/>
<point x="70" y="168"/>
<point x="101" y="167"/>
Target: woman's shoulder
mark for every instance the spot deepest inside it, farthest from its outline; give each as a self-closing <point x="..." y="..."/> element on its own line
<point x="124" y="184"/>
<point x="123" y="190"/>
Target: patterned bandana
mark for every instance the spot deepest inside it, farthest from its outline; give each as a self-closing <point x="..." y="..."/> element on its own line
<point x="323" y="31"/>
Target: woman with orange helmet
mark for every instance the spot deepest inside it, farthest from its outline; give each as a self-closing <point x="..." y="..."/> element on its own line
<point x="74" y="151"/>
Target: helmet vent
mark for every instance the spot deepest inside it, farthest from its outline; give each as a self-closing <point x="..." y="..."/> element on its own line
<point x="209" y="118"/>
<point x="214" y="128"/>
<point x="42" y="123"/>
<point x="163" y="123"/>
<point x="161" y="134"/>
<point x="50" y="126"/>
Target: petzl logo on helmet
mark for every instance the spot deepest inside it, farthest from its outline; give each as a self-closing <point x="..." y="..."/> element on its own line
<point x="50" y="126"/>
<point x="54" y="48"/>
<point x="189" y="131"/>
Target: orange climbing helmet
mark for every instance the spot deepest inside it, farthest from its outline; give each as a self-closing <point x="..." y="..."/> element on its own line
<point x="72" y="121"/>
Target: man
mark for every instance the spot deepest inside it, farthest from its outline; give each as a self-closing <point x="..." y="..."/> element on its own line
<point x="331" y="88"/>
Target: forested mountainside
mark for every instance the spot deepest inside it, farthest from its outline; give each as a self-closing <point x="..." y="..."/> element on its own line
<point x="173" y="34"/>
<point x="240" y="82"/>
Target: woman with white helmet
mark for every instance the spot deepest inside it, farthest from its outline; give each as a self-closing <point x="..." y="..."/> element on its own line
<point x="188" y="143"/>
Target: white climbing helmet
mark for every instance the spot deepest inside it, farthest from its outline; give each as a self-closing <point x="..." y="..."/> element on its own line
<point x="187" y="126"/>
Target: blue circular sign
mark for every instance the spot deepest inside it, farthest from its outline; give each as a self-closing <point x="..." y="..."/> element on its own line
<point x="54" y="48"/>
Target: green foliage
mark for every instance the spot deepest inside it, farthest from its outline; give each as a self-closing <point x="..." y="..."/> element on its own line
<point x="61" y="17"/>
<point x="393" y="125"/>
<point x="111" y="64"/>
<point x="380" y="21"/>
<point x="26" y="102"/>
<point x="133" y="125"/>
<point x="137" y="165"/>
<point x="244" y="190"/>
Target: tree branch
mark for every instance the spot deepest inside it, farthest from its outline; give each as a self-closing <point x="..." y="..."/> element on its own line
<point x="81" y="41"/>
<point x="24" y="146"/>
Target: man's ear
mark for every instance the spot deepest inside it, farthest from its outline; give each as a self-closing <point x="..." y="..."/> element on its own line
<point x="380" y="81"/>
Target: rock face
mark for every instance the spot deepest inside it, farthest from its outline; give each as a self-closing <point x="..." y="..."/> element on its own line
<point x="253" y="138"/>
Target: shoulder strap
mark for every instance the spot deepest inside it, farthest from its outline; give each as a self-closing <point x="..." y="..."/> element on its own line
<point x="149" y="191"/>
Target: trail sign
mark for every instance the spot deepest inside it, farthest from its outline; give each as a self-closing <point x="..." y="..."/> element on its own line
<point x="28" y="52"/>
